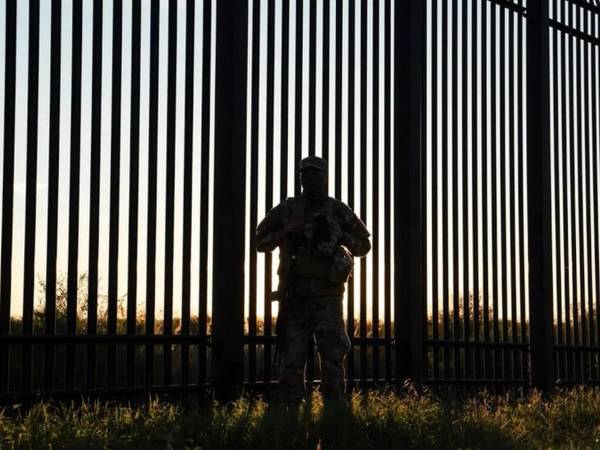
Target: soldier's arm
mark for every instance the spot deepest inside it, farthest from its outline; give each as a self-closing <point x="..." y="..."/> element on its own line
<point x="270" y="230"/>
<point x="355" y="236"/>
<point x="359" y="245"/>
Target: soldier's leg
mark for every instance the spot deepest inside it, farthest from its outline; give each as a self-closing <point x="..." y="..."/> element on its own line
<point x="293" y="357"/>
<point x="333" y="345"/>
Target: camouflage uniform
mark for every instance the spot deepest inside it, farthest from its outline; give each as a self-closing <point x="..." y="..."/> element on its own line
<point x="312" y="285"/>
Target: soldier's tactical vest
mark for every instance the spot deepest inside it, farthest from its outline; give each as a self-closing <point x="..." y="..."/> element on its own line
<point x="311" y="272"/>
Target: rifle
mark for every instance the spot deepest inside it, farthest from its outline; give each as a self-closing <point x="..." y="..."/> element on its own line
<point x="281" y="295"/>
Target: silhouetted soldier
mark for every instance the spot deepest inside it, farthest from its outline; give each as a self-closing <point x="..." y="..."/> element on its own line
<point x="318" y="236"/>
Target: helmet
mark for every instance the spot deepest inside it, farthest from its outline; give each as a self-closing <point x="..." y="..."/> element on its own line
<point x="314" y="162"/>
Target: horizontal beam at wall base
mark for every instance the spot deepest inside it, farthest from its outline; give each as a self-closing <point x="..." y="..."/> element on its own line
<point x="77" y="339"/>
<point x="369" y="382"/>
<point x="350" y="384"/>
<point x="19" y="397"/>
<point x="475" y="344"/>
<point x="570" y="383"/>
<point x="261" y="339"/>
<point x="577" y="348"/>
<point x="476" y="381"/>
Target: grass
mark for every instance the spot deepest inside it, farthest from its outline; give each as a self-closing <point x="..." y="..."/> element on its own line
<point x="374" y="420"/>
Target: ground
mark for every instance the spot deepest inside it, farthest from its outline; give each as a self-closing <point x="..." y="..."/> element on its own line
<point x="373" y="420"/>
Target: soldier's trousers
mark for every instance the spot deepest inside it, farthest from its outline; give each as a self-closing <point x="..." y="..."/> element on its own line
<point x="321" y="317"/>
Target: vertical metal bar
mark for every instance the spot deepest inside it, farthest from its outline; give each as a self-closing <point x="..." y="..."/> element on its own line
<point x="511" y="181"/>
<point x="465" y="198"/>
<point x="170" y="189"/>
<point x="285" y="58"/>
<point x="7" y="184"/>
<point x="444" y="200"/>
<point x="419" y="101"/>
<point x="74" y="194"/>
<point x="312" y="69"/>
<point x="454" y="202"/>
<point x="363" y="182"/>
<point x="53" y="159"/>
<point x="494" y="206"/>
<point x="594" y="147"/>
<point x="564" y="198"/>
<point x="351" y="146"/>
<point x="298" y="94"/>
<point x="326" y="70"/>
<point x="115" y="169"/>
<point x="538" y="186"/>
<point x="285" y="92"/>
<point x="565" y="153"/>
<point x="269" y="178"/>
<point x="434" y="188"/>
<point x="31" y="197"/>
<point x="572" y="223"/>
<point x="339" y="36"/>
<point x="589" y="204"/>
<point x="188" y="136"/>
<point x="587" y="47"/>
<point x="588" y="210"/>
<point x="152" y="172"/>
<point x="444" y="149"/>
<point x="506" y="186"/>
<point x="486" y="373"/>
<point x="204" y="187"/>
<point x="573" y="171"/>
<point x="475" y="94"/>
<point x="408" y="164"/>
<point x="456" y="325"/>
<point x="230" y="182"/>
<point x="96" y="149"/>
<point x="375" y="190"/>
<point x="555" y="224"/>
<point x="503" y="204"/>
<point x="582" y="145"/>
<point x="254" y="150"/>
<point x="568" y="203"/>
<point x="557" y="197"/>
<point x="593" y="197"/>
<point x="521" y="191"/>
<point x="579" y="303"/>
<point x="387" y="187"/>
<point x="580" y="213"/>
<point x="595" y="156"/>
<point x="134" y="161"/>
<point x="559" y="106"/>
